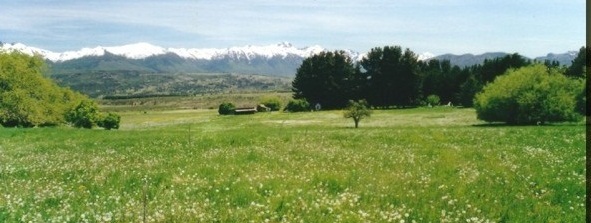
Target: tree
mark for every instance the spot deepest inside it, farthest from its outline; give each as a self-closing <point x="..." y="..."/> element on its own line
<point x="84" y="115"/>
<point x="357" y="110"/>
<point x="468" y="90"/>
<point x="392" y="76"/>
<point x="226" y="108"/>
<point x="324" y="78"/>
<point x="577" y="68"/>
<point x="529" y="95"/>
<point x="27" y="97"/>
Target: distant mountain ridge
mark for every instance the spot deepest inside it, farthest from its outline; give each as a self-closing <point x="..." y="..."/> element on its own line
<point x="469" y="59"/>
<point x="465" y="60"/>
<point x="144" y="50"/>
<point x="563" y="58"/>
<point x="281" y="59"/>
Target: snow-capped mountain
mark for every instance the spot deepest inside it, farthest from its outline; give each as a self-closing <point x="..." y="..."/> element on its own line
<point x="281" y="59"/>
<point x="278" y="59"/>
<point x="26" y="49"/>
<point x="425" y="56"/>
<point x="145" y="50"/>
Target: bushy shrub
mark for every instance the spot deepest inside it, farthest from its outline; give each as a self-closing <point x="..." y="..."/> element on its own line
<point x="226" y="108"/>
<point x="297" y="105"/>
<point x="84" y="115"/>
<point x="529" y="95"/>
<point x="110" y="121"/>
<point x="274" y="103"/>
<point x="432" y="100"/>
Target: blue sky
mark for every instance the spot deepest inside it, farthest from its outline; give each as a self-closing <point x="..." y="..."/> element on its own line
<point x="531" y="28"/>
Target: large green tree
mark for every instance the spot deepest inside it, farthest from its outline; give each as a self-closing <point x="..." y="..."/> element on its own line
<point x="392" y="76"/>
<point x="529" y="95"/>
<point x="27" y="97"/>
<point x="325" y="78"/>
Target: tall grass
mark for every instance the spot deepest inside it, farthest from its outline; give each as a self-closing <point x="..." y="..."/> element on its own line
<point x="422" y="165"/>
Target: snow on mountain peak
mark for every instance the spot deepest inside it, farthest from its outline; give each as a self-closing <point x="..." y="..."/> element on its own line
<point x="26" y="49"/>
<point x="70" y="55"/>
<point x="137" y="50"/>
<point x="143" y="50"/>
<point x="425" y="56"/>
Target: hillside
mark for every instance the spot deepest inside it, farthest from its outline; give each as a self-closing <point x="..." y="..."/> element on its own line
<point x="121" y="83"/>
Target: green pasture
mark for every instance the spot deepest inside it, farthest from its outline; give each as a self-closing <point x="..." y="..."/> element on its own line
<point x="404" y="165"/>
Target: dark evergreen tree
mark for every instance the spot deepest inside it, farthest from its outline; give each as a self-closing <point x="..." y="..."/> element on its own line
<point x="492" y="68"/>
<point x="325" y="78"/>
<point x="468" y="90"/>
<point x="407" y="82"/>
<point x="577" y="68"/>
<point x="377" y="84"/>
<point x="441" y="79"/>
<point x="392" y="76"/>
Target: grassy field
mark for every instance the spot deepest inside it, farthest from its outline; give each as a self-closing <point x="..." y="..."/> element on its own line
<point x="409" y="165"/>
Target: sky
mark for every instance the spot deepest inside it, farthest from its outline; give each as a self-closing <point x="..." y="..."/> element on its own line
<point x="531" y="28"/>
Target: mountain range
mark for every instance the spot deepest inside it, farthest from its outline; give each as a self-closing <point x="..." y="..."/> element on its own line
<point x="143" y="70"/>
<point x="281" y="59"/>
<point x="277" y="60"/>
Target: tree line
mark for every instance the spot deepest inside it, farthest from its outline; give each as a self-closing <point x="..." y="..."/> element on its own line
<point x="392" y="77"/>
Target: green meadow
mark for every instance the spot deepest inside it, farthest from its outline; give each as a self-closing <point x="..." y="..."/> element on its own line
<point x="404" y="165"/>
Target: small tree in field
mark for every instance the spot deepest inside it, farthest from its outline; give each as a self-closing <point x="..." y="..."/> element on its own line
<point x="357" y="110"/>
